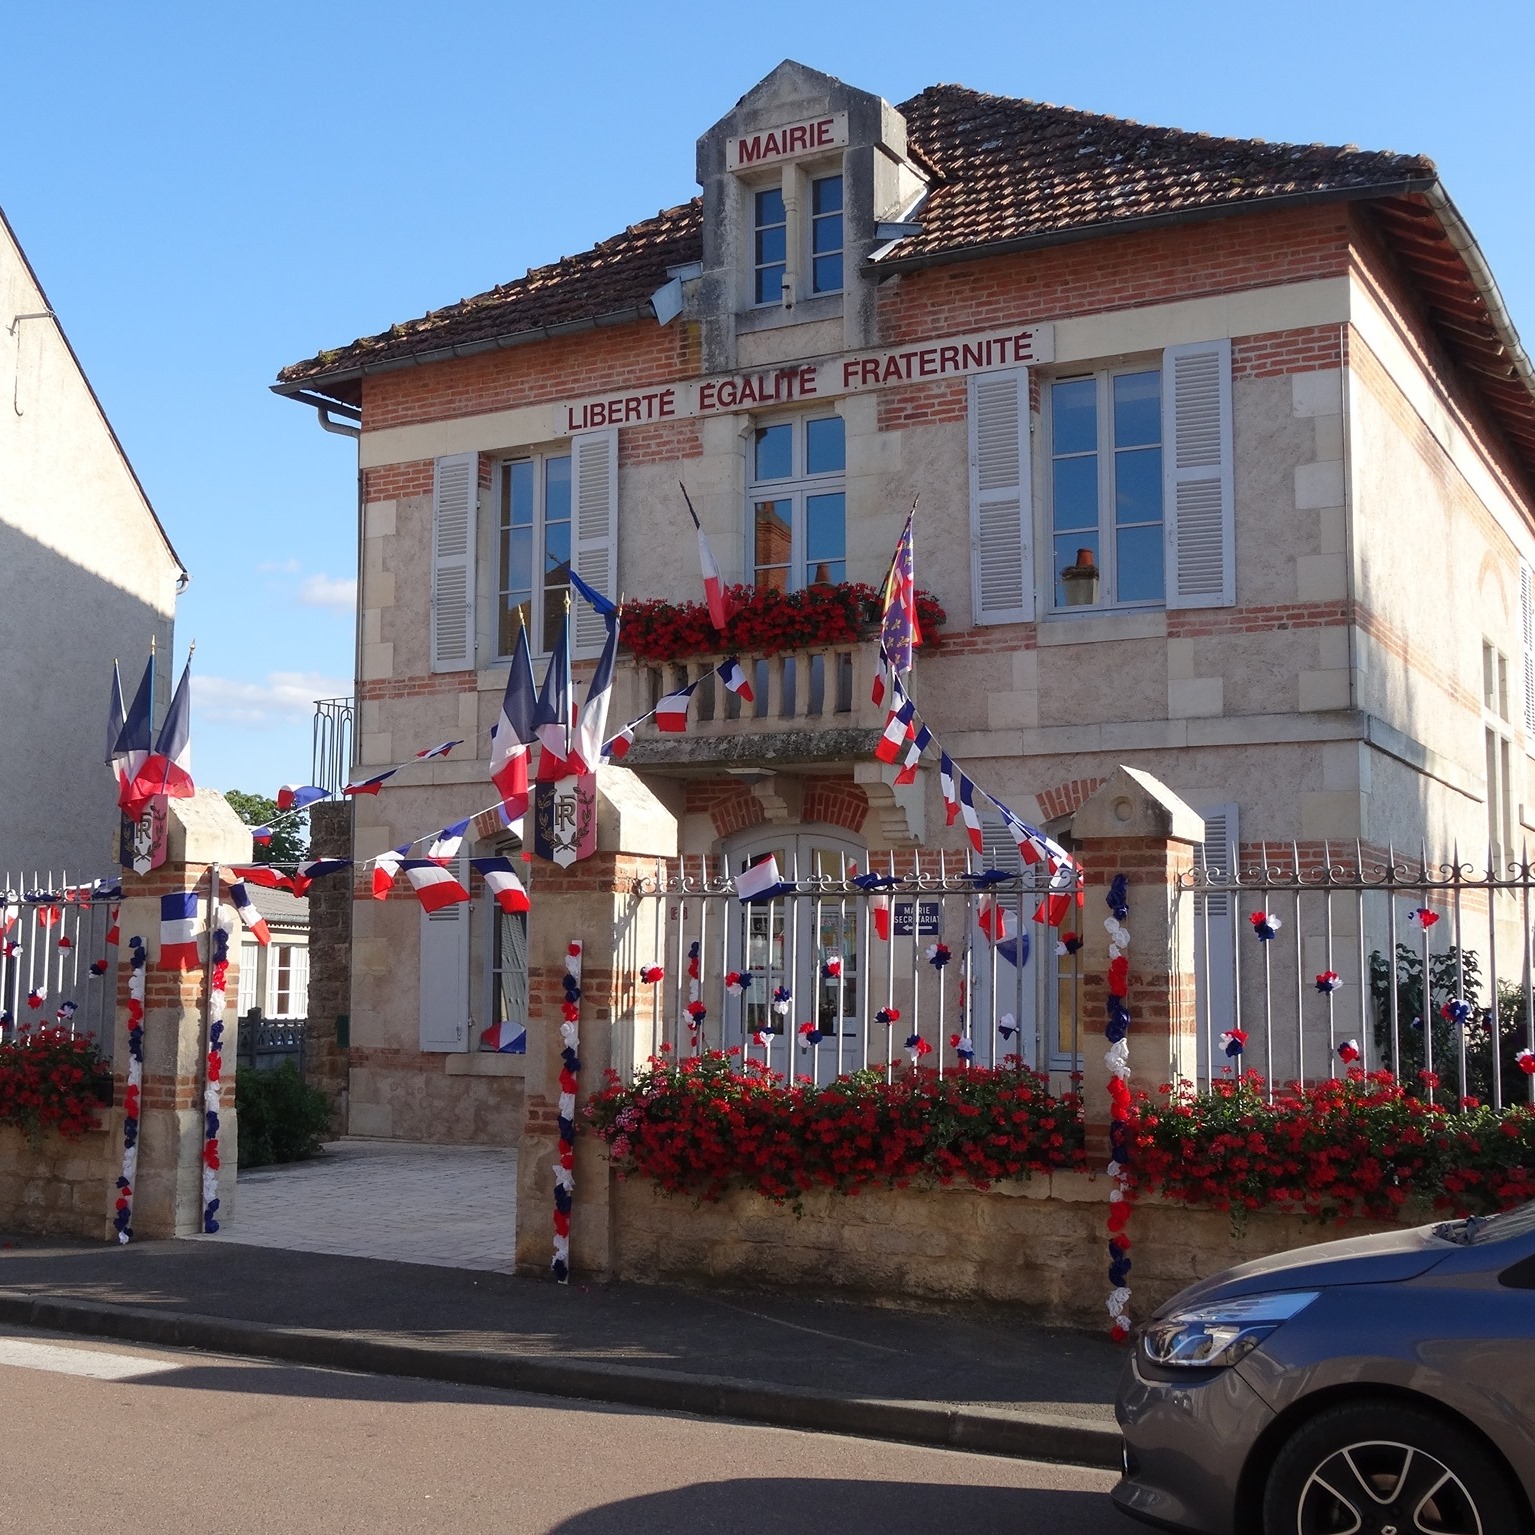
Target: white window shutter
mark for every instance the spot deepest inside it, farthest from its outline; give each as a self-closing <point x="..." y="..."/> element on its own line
<point x="445" y="973"/>
<point x="594" y="532"/>
<point x="1527" y="643"/>
<point x="1215" y="971"/>
<point x="1001" y="514"/>
<point x="1198" y="496"/>
<point x="250" y="965"/>
<point x="455" y="494"/>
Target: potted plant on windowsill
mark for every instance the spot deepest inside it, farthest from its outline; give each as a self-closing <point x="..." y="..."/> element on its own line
<point x="1081" y="581"/>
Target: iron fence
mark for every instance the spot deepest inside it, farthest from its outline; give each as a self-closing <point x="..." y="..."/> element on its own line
<point x="1418" y="966"/>
<point x="58" y="956"/>
<point x="333" y="731"/>
<point x="838" y="972"/>
<point x="263" y="1044"/>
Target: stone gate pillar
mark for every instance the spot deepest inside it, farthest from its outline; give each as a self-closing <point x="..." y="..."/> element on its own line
<point x="593" y="902"/>
<point x="1136" y="826"/>
<point x="167" y="1195"/>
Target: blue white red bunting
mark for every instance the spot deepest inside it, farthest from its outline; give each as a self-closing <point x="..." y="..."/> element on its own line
<point x="565" y="1152"/>
<point x="214" y="1072"/>
<point x="1117" y="1059"/>
<point x="122" y="1217"/>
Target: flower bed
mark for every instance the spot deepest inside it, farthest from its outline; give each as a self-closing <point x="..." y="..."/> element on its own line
<point x="709" y="1123"/>
<point x="48" y="1081"/>
<point x="766" y="622"/>
<point x="1360" y="1145"/>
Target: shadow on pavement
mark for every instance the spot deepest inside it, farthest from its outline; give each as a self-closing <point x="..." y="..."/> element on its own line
<point x="768" y="1505"/>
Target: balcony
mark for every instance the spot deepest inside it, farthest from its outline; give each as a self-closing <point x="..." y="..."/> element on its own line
<point x="809" y="706"/>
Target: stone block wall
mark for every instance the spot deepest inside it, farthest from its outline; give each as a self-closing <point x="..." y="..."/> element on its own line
<point x="326" y="1060"/>
<point x="1037" y="1246"/>
<point x="60" y="1188"/>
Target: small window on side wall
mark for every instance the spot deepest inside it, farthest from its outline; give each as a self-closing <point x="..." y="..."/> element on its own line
<point x="826" y="240"/>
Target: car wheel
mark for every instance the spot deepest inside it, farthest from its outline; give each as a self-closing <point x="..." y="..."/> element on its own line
<point x="1383" y="1469"/>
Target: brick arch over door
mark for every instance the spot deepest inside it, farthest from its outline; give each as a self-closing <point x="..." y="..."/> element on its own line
<point x="733" y="808"/>
<point x="835" y="802"/>
<point x="1067" y="797"/>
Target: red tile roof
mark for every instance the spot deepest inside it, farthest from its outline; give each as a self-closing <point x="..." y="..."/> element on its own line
<point x="1007" y="174"/>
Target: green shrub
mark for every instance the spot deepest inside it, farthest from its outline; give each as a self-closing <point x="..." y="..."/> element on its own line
<point x="282" y="1118"/>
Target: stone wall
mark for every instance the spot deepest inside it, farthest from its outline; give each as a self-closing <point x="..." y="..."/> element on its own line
<point x="60" y="1188"/>
<point x="1038" y="1246"/>
<point x="330" y="962"/>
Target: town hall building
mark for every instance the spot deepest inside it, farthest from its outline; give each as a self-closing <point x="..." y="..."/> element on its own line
<point x="1222" y="453"/>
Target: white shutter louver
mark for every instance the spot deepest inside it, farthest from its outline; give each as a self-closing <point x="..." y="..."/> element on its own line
<point x="1197" y="482"/>
<point x="594" y="532"/>
<point x="1215" y="961"/>
<point x="998" y="849"/>
<point x="455" y="494"/>
<point x="445" y="973"/>
<point x="1001" y="516"/>
<point x="1527" y="642"/>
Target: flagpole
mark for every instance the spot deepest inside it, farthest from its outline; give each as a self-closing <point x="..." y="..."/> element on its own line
<point x="691" y="513"/>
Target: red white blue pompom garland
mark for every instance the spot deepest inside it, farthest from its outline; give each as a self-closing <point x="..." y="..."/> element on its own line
<point x="1117" y="1059"/>
<point x="565" y="1156"/>
<point x="122" y="1218"/>
<point x="212" y="1090"/>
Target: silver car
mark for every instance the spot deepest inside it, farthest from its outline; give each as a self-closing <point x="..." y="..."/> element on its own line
<point x="1383" y="1385"/>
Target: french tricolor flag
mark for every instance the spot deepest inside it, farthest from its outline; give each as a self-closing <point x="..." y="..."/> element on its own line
<point x="946" y="776"/>
<point x="168" y="768"/>
<point x="761" y="882"/>
<point x="971" y="814"/>
<point x="385" y="867"/>
<point x="898" y="730"/>
<point x="295" y="796"/>
<point x="617" y="748"/>
<point x="721" y="608"/>
<point x="505" y="1038"/>
<point x="672" y="711"/>
<point x="502" y="882"/>
<point x="440" y="750"/>
<point x="317" y="868"/>
<point x="255" y="923"/>
<point x="447" y="842"/>
<point x="512" y="733"/>
<point x="919" y="744"/>
<point x="435" y="887"/>
<point x="262" y="874"/>
<point x="180" y="927"/>
<point x="369" y="785"/>
<point x="733" y="676"/>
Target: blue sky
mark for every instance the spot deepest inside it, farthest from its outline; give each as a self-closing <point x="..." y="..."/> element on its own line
<point x="210" y="192"/>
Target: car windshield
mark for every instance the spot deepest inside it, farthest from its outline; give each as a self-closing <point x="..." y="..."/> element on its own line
<point x="1476" y="1229"/>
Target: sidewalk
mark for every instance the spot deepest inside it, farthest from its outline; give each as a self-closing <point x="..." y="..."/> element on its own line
<point x="980" y="1381"/>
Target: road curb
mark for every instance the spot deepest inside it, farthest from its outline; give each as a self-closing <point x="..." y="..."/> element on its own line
<point x="992" y="1431"/>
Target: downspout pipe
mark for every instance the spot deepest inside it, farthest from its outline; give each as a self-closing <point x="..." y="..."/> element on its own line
<point x="325" y="410"/>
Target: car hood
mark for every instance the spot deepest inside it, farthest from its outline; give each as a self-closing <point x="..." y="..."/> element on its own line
<point x="1387" y="1257"/>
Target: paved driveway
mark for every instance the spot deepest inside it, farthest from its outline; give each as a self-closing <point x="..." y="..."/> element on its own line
<point x="449" y="1205"/>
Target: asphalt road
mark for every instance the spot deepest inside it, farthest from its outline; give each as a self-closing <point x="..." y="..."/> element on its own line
<point x="110" y="1436"/>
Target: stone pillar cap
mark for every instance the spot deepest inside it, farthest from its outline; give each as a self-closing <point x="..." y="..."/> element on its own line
<point x="1134" y="804"/>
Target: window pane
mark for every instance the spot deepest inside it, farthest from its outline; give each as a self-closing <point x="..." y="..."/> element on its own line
<point x="769" y="288"/>
<point x="770" y="206"/>
<point x="771" y="539"/>
<point x="825" y="445"/>
<point x="825" y="539"/>
<point x="826" y="273"/>
<point x="825" y="195"/>
<point x="1138" y="564"/>
<point x="1074" y="409"/>
<point x="1064" y="551"/>
<point x="1138" y="486"/>
<point x="518" y="568"/>
<point x="556" y="552"/>
<point x="519" y="494"/>
<point x="1076" y="492"/>
<point x="775" y="452"/>
<point x="516" y="611"/>
<point x="771" y="245"/>
<point x="557" y="489"/>
<point x="1137" y="409"/>
<point x="554" y="619"/>
<point x="826" y="234"/>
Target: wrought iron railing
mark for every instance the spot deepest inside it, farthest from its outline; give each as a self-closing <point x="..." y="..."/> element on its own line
<point x="1421" y="966"/>
<point x="334" y="735"/>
